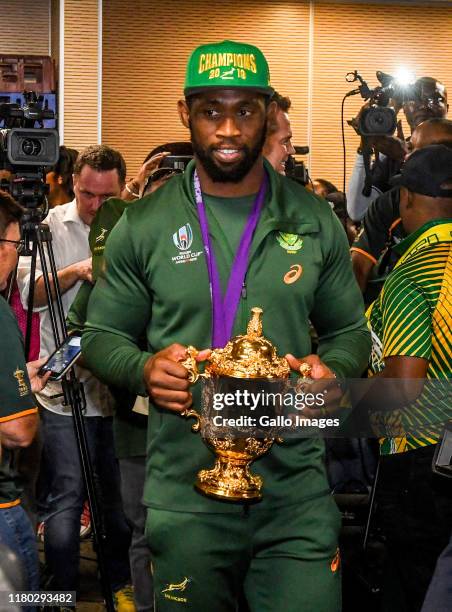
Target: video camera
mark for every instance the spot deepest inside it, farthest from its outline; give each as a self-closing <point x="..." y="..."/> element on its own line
<point x="26" y="149"/>
<point x="380" y="118"/>
<point x="296" y="169"/>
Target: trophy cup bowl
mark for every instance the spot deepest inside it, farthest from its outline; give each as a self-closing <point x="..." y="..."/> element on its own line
<point x="246" y="360"/>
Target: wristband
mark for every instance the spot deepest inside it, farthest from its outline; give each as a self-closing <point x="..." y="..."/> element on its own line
<point x="135" y="195"/>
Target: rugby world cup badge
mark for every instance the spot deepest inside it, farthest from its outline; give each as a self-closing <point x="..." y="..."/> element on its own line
<point x="183" y="237"/>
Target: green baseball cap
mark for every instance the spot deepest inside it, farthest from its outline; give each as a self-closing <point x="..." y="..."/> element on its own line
<point x="227" y="64"/>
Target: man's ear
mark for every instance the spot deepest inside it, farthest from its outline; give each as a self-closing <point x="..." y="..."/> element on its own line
<point x="184" y="113"/>
<point x="272" y="109"/>
<point x="406" y="197"/>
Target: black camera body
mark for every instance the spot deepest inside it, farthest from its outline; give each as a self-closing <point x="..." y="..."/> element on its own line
<point x="29" y="147"/>
<point x="26" y="149"/>
<point x="296" y="169"/>
<point x="380" y="119"/>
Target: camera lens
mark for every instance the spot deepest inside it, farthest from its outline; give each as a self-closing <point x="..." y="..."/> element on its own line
<point x="31" y="147"/>
<point x="378" y="121"/>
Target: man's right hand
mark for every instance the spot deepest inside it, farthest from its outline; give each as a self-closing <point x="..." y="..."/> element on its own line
<point x="392" y="146"/>
<point x="167" y="380"/>
<point x="67" y="278"/>
<point x="84" y="269"/>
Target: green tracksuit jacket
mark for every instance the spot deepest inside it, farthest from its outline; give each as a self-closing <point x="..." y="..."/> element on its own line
<point x="156" y="280"/>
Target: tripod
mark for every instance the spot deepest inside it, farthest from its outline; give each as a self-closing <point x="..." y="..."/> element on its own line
<point x="38" y="240"/>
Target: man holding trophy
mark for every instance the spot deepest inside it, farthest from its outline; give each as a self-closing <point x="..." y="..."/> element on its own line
<point x="185" y="266"/>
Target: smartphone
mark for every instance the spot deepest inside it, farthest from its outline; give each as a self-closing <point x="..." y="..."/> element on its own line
<point x="178" y="162"/>
<point x="63" y="358"/>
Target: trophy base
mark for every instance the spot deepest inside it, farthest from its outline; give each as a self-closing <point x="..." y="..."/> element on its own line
<point x="230" y="479"/>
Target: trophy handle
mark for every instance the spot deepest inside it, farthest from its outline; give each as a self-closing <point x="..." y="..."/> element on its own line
<point x="192" y="413"/>
<point x="194" y="375"/>
<point x="191" y="365"/>
<point x="305" y="370"/>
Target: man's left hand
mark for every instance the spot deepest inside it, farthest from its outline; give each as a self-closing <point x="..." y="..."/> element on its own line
<point x="324" y="382"/>
<point x="37" y="382"/>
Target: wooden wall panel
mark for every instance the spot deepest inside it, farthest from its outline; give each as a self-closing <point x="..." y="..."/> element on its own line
<point x="144" y="62"/>
<point x="368" y="38"/>
<point x="25" y="27"/>
<point x="80" y="72"/>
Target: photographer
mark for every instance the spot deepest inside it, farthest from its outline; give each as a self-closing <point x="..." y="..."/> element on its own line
<point x="425" y="99"/>
<point x="372" y="252"/>
<point x="18" y="412"/>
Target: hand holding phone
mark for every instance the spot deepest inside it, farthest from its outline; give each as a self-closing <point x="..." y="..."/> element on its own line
<point x="61" y="360"/>
<point x="38" y="380"/>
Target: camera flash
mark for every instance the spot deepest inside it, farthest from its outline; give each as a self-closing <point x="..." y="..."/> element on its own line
<point x="404" y="76"/>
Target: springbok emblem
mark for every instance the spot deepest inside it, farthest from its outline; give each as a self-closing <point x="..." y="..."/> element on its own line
<point x="181" y="586"/>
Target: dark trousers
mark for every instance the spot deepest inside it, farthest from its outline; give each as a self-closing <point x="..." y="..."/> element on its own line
<point x="415" y="513"/>
<point x="439" y="594"/>
<point x="66" y="495"/>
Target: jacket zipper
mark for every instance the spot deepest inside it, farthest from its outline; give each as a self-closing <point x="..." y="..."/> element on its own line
<point x="244" y="313"/>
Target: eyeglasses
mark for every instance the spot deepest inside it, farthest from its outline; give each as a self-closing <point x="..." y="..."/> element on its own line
<point x="19" y="244"/>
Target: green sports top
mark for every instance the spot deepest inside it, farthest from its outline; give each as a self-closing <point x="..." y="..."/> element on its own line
<point x="16" y="399"/>
<point x="413" y="317"/>
<point x="156" y="281"/>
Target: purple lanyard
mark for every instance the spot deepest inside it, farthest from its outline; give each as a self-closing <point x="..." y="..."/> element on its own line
<point x="224" y="310"/>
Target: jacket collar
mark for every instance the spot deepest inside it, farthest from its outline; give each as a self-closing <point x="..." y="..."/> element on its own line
<point x="288" y="207"/>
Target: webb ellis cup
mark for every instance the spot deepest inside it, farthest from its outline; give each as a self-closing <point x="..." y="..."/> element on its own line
<point x="246" y="362"/>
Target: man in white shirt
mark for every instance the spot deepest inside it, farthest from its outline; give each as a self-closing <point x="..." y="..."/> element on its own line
<point x="99" y="173"/>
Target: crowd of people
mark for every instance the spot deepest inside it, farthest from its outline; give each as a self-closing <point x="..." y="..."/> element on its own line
<point x="250" y="236"/>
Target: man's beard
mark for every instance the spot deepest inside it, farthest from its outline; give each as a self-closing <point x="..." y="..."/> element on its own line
<point x="235" y="172"/>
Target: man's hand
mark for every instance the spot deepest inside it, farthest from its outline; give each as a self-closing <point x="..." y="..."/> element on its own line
<point x="148" y="167"/>
<point x="167" y="380"/>
<point x="84" y="269"/>
<point x="67" y="278"/>
<point x="391" y="146"/>
<point x="137" y="184"/>
<point x="37" y="382"/>
<point x="324" y="383"/>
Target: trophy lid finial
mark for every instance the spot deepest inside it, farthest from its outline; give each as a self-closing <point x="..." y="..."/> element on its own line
<point x="255" y="323"/>
<point x="249" y="356"/>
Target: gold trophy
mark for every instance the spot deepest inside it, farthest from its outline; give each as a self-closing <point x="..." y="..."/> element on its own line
<point x="244" y="359"/>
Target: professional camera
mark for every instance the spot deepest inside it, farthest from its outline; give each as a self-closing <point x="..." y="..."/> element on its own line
<point x="296" y="169"/>
<point x="380" y="119"/>
<point x="26" y="149"/>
